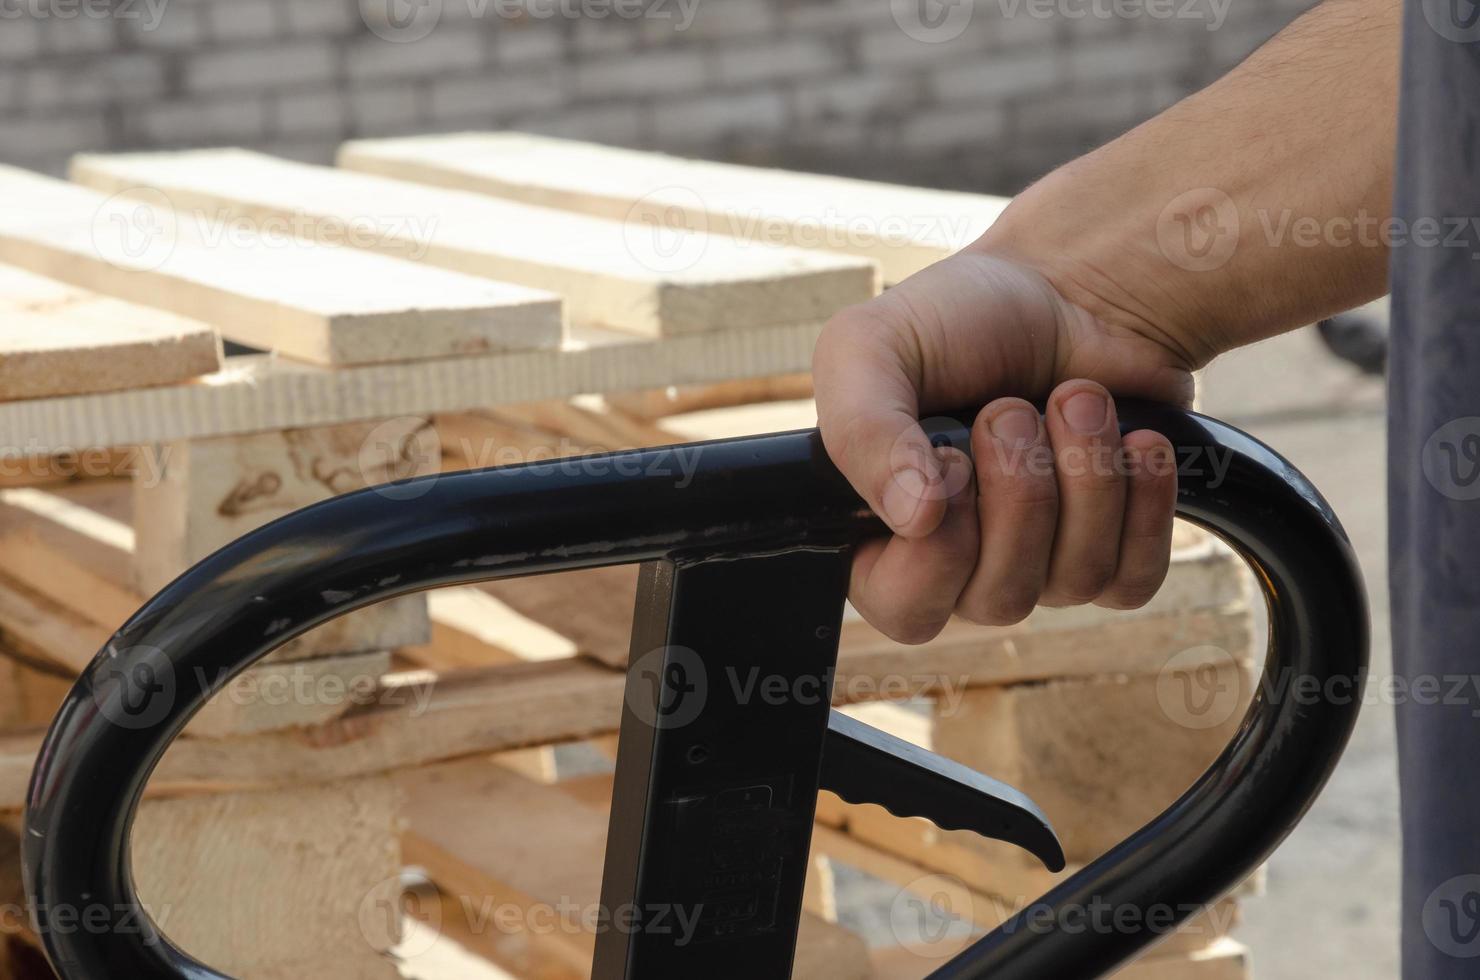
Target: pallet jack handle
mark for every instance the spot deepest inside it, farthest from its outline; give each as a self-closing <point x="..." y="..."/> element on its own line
<point x="701" y="515"/>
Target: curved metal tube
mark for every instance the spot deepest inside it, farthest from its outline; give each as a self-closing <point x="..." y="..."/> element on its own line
<point x="745" y="495"/>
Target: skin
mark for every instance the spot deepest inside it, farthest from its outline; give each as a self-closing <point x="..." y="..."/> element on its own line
<point x="1118" y="274"/>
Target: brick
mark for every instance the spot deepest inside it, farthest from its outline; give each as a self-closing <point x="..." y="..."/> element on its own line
<point x="940" y="128"/>
<point x="517" y="44"/>
<point x="653" y="74"/>
<point x="891" y="46"/>
<point x="838" y="15"/>
<point x="83" y="33"/>
<point x="618" y="123"/>
<point x="247" y="20"/>
<point x="1123" y="58"/>
<point x="42" y="137"/>
<point x="21" y="39"/>
<point x="998" y="76"/>
<point x="374" y="111"/>
<point x="316" y="17"/>
<point x="180" y="26"/>
<point x="193" y="123"/>
<point x="495" y="97"/>
<point x="730" y="19"/>
<point x="605" y="36"/>
<point x="265" y="67"/>
<point x="321" y="113"/>
<point x="852" y="96"/>
<point x="125" y="76"/>
<point x="434" y="55"/>
<point x="715" y="116"/>
<point x="788" y="58"/>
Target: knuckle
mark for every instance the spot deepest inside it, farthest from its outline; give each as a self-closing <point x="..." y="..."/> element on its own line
<point x="1085" y="584"/>
<point x="1001" y="608"/>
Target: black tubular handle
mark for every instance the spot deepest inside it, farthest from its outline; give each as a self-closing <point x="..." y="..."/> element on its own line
<point x="746" y="495"/>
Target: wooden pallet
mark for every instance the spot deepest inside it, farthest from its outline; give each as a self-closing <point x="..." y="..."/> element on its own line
<point x="425" y="712"/>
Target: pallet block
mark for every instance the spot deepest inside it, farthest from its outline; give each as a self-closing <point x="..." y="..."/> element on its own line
<point x="1101" y="756"/>
<point x="903" y="228"/>
<point x="212" y="491"/>
<point x="258" y="284"/>
<point x="609" y="274"/>
<point x="60" y="340"/>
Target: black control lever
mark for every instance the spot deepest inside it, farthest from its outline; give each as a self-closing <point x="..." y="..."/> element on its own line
<point x="862" y="764"/>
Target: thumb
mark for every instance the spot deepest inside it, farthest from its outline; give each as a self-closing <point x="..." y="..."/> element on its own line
<point x="867" y="409"/>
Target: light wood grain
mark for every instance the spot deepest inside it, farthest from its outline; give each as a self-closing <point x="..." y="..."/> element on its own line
<point x="629" y="277"/>
<point x="903" y="228"/>
<point x="259" y="284"/>
<point x="57" y="339"/>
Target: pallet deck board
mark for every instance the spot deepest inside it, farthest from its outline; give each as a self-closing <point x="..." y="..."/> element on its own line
<point x="256" y="393"/>
<point x="309" y="299"/>
<point x="56" y="339"/>
<point x="624" y="276"/>
<point x="902" y="228"/>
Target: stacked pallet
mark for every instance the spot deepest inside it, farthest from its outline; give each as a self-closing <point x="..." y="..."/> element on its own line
<point x="404" y="321"/>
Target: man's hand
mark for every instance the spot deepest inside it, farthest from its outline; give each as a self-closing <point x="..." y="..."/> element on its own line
<point x="1058" y="510"/>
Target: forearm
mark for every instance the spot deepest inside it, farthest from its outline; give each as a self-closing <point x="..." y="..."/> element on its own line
<point x="1257" y="205"/>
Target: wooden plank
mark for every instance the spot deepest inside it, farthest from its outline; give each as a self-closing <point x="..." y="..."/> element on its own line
<point x="263" y="698"/>
<point x="903" y="228"/>
<point x="678" y="399"/>
<point x="1227" y="960"/>
<point x="546" y="851"/>
<point x="74" y="546"/>
<point x="609" y="274"/>
<point x="254" y="394"/>
<point x="59" y="340"/>
<point x="258" y="284"/>
<point x="415" y="718"/>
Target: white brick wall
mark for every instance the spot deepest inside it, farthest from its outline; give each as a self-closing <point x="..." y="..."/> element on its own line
<point x="845" y="85"/>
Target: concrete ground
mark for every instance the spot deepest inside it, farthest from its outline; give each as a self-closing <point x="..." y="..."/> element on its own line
<point x="1332" y="903"/>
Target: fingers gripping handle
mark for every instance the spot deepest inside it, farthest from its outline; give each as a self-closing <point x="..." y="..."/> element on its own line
<point x="749" y="495"/>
